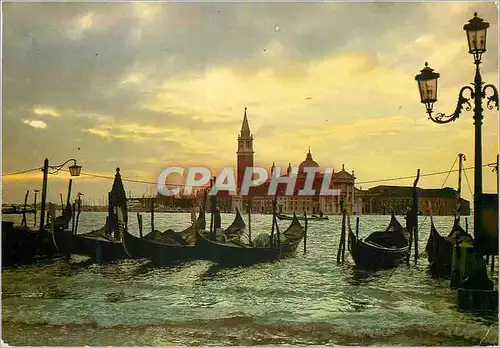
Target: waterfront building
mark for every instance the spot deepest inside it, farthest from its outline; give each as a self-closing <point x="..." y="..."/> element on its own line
<point x="383" y="199"/>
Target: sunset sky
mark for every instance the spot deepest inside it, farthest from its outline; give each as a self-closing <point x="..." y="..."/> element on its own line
<point x="143" y="86"/>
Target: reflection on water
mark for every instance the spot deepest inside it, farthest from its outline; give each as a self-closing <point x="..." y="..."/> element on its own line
<point x="309" y="299"/>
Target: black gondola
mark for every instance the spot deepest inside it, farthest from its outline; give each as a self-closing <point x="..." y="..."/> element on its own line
<point x="102" y="245"/>
<point x="440" y="249"/>
<point x="235" y="252"/>
<point x="19" y="244"/>
<point x="162" y="249"/>
<point x="380" y="250"/>
<point x="98" y="245"/>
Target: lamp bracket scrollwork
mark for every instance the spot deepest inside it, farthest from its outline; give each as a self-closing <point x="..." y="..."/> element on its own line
<point x="58" y="168"/>
<point x="462" y="100"/>
<point x="491" y="99"/>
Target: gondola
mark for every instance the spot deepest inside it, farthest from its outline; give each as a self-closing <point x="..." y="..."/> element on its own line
<point x="161" y="248"/>
<point x="301" y="218"/>
<point x="19" y="244"/>
<point x="102" y="245"/>
<point x="99" y="245"/>
<point x="381" y="250"/>
<point x="235" y="252"/>
<point x="22" y="244"/>
<point x="439" y="249"/>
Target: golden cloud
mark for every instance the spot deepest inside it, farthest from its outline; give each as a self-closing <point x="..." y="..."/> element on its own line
<point x="35" y="123"/>
<point x="46" y="111"/>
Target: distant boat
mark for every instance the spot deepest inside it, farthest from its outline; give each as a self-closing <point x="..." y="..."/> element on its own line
<point x="16" y="210"/>
<point x="301" y="218"/>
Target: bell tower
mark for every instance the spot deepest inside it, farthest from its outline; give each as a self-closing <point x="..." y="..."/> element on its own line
<point x="245" y="150"/>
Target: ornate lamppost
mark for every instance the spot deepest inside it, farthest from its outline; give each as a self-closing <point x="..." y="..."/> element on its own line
<point x="74" y="170"/>
<point x="427" y="85"/>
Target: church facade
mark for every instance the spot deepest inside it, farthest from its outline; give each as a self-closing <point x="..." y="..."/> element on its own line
<point x="258" y="200"/>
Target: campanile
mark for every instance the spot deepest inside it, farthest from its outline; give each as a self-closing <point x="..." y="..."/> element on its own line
<point x="245" y="150"/>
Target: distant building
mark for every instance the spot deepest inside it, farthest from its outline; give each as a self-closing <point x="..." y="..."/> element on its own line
<point x="398" y="199"/>
<point x="261" y="202"/>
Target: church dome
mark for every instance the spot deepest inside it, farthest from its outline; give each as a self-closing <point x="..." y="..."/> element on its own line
<point x="308" y="162"/>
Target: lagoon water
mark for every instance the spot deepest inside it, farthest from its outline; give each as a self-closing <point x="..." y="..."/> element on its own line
<point x="309" y="299"/>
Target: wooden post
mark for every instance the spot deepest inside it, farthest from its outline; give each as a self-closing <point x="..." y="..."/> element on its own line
<point x="62" y="204"/>
<point x="211" y="210"/>
<point x="34" y="211"/>
<point x="250" y="221"/>
<point x="275" y="219"/>
<point x="410" y="244"/>
<point x="357" y="226"/>
<point x="305" y="233"/>
<point x="415" y="214"/>
<point x="73" y="229"/>
<point x="342" y="232"/>
<point x="213" y="207"/>
<point x="139" y="222"/>
<point x="152" y="215"/>
<point x="44" y="193"/>
<point x="412" y="221"/>
<point x="466" y="225"/>
<point x="78" y="214"/>
<point x="68" y="198"/>
<point x="453" y="275"/>
<point x="23" y="222"/>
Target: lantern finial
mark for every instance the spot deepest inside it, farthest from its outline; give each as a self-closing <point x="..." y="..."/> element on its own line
<point x="475" y="14"/>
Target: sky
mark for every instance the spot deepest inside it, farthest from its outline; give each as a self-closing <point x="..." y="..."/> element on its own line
<point x="144" y="86"/>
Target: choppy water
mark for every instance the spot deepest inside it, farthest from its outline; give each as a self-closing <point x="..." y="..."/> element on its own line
<point x="306" y="300"/>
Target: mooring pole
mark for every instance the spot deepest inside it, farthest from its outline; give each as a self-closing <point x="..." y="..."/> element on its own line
<point x="73" y="229"/>
<point x="23" y="222"/>
<point x="139" y="222"/>
<point x="213" y="206"/>
<point x="250" y="221"/>
<point x="305" y="232"/>
<point x="342" y="233"/>
<point x="44" y="193"/>
<point x="357" y="226"/>
<point x="152" y="215"/>
<point x="34" y="205"/>
<point x="78" y="214"/>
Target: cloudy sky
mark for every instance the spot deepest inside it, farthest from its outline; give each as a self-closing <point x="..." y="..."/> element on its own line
<point x="143" y="86"/>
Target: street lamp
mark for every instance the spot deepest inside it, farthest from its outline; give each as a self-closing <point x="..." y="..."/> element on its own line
<point x="74" y="170"/>
<point x="427" y="85"/>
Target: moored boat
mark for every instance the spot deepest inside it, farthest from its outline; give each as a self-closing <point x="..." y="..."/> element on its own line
<point x="104" y="244"/>
<point x="161" y="249"/>
<point x="236" y="252"/>
<point x="439" y="249"/>
<point x="381" y="250"/>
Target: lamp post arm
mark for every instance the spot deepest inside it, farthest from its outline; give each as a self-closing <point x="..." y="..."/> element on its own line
<point x="491" y="99"/>
<point x="59" y="167"/>
<point x="443" y="118"/>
